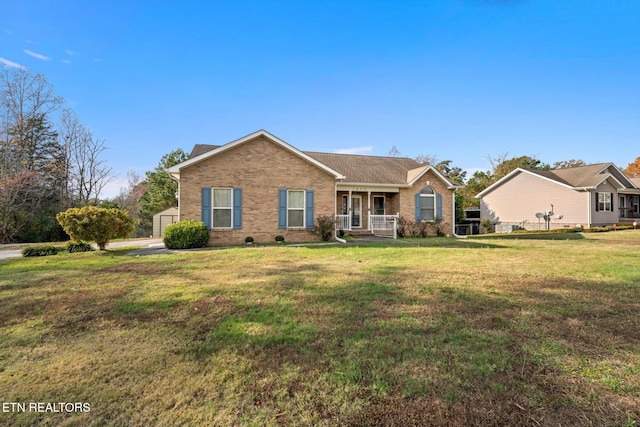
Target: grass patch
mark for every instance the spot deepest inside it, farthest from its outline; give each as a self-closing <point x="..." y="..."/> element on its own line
<point x="436" y="331"/>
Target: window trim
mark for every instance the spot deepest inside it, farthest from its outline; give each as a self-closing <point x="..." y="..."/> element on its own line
<point x="214" y="208"/>
<point x="605" y="205"/>
<point x="424" y="196"/>
<point x="302" y="209"/>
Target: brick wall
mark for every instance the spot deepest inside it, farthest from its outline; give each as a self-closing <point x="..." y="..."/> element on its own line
<point x="407" y="199"/>
<point x="260" y="167"/>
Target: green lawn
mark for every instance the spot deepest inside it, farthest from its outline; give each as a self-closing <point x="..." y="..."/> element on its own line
<point x="436" y="331"/>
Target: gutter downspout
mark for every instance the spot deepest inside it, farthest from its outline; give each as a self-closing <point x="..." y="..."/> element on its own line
<point x="453" y="226"/>
<point x="179" y="193"/>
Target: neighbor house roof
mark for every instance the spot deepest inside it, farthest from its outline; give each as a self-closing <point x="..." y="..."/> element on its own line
<point x="576" y="178"/>
<point x="357" y="168"/>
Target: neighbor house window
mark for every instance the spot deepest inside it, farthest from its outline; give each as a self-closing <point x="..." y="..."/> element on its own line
<point x="222" y="207"/>
<point x="604" y="202"/>
<point x="295" y="208"/>
<point x="427" y="204"/>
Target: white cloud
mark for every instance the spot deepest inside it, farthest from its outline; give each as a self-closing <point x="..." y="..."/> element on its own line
<point x="354" y="150"/>
<point x="66" y="61"/>
<point x="36" y="55"/>
<point x="70" y="52"/>
<point x="9" y="64"/>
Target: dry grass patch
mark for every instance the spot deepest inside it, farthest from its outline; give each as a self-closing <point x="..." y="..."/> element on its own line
<point x="433" y="332"/>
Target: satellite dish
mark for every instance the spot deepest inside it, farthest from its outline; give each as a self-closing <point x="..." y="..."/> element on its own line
<point x="539" y="215"/>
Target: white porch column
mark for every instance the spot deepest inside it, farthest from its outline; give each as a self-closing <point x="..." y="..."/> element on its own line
<point x="349" y="207"/>
<point x="369" y="210"/>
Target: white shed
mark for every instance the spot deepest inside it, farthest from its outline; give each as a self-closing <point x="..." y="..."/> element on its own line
<point x="162" y="219"/>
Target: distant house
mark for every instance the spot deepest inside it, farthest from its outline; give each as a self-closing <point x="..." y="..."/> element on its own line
<point x="587" y="196"/>
<point x="162" y="219"/>
<point x="261" y="186"/>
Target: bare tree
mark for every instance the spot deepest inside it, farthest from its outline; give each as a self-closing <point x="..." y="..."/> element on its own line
<point x="29" y="149"/>
<point x="87" y="173"/>
<point x="131" y="194"/>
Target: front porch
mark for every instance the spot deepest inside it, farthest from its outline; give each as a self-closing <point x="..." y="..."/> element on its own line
<point x="629" y="206"/>
<point x="360" y="212"/>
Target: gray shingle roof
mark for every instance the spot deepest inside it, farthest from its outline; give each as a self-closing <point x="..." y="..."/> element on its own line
<point x="368" y="169"/>
<point x="581" y="176"/>
<point x="356" y="168"/>
<point x="201" y="149"/>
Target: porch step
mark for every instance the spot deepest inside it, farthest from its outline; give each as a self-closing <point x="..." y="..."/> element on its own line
<point x="359" y="232"/>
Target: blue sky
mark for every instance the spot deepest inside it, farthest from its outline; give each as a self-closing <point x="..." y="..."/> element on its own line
<point x="460" y="80"/>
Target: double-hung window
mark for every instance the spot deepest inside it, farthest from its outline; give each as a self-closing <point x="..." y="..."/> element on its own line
<point x="427" y="204"/>
<point x="222" y="207"/>
<point x="604" y="202"/>
<point x="295" y="208"/>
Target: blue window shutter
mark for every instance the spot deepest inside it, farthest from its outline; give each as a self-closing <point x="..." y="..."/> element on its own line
<point x="418" y="212"/>
<point x="309" y="210"/>
<point x="237" y="208"/>
<point x="206" y="206"/>
<point x="282" y="208"/>
<point x="439" y="206"/>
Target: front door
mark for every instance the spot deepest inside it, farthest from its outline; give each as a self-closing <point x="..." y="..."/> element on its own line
<point x="356" y="211"/>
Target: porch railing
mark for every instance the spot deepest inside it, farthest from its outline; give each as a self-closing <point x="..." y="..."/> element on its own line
<point x="343" y="222"/>
<point x="384" y="224"/>
<point x="628" y="213"/>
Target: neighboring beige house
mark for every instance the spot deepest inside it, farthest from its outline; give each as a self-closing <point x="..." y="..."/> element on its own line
<point x="587" y="196"/>
<point x="162" y="219"/>
<point x="261" y="186"/>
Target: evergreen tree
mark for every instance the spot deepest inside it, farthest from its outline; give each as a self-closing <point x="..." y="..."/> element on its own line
<point x="161" y="189"/>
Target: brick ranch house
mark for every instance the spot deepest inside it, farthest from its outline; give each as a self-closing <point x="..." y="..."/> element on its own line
<point x="260" y="186"/>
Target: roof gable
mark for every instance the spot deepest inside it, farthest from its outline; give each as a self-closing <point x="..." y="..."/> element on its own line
<point x="350" y="168"/>
<point x="208" y="151"/>
<point x="576" y="178"/>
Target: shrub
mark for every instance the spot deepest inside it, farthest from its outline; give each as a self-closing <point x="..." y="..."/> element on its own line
<point x="186" y="234"/>
<point x="40" y="250"/>
<point x="324" y="227"/>
<point x="439" y="227"/>
<point x="248" y="239"/>
<point x="96" y="224"/>
<point x="402" y="228"/>
<point x="78" y="247"/>
<point x="279" y="239"/>
<point x="487" y="225"/>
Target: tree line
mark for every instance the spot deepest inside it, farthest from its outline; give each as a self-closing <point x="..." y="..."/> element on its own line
<point x="50" y="162"/>
<point x="501" y="166"/>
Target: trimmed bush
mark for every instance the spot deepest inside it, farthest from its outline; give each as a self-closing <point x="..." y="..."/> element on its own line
<point x="95" y="224"/>
<point x="248" y="239"/>
<point x="186" y="234"/>
<point x="73" y="247"/>
<point x="279" y="239"/>
<point x="40" y="250"/>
